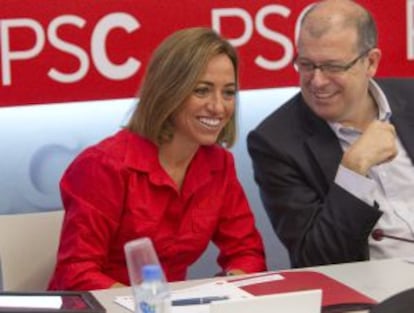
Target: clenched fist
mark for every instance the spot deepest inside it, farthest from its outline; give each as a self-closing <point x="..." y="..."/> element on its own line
<point x="376" y="145"/>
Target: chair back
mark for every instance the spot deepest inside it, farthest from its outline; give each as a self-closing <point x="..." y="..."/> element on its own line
<point x="28" y="246"/>
<point x="402" y="302"/>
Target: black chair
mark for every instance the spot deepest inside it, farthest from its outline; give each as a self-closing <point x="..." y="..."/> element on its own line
<point x="402" y="302"/>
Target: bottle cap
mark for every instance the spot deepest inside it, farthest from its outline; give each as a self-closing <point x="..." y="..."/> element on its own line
<point x="151" y="272"/>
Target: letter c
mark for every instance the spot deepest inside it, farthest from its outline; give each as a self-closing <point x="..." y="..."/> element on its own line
<point x="100" y="57"/>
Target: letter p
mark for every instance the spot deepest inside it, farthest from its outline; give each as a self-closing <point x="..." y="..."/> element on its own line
<point x="218" y="14"/>
<point x="6" y="55"/>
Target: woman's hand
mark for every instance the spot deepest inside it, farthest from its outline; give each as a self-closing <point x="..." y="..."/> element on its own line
<point x="118" y="285"/>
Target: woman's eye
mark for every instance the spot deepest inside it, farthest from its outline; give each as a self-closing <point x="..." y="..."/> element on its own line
<point x="228" y="94"/>
<point x="201" y="91"/>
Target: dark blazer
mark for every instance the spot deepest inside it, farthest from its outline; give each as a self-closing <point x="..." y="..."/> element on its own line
<point x="295" y="158"/>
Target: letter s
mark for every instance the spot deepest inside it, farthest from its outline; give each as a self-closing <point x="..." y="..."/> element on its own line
<point x="67" y="47"/>
<point x="273" y="36"/>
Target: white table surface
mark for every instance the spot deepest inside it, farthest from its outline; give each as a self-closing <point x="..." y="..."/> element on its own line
<point x="376" y="279"/>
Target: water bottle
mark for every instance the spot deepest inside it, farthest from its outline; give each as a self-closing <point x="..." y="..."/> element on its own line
<point x="152" y="295"/>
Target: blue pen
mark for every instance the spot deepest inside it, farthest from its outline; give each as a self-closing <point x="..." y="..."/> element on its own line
<point x="202" y="300"/>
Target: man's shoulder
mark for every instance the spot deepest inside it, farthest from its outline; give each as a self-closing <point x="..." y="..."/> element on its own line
<point x="396" y="84"/>
<point x="287" y="115"/>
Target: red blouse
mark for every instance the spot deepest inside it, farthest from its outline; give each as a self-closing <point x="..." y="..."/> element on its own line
<point x="117" y="191"/>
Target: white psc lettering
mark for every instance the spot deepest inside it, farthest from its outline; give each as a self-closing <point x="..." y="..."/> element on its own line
<point x="251" y="24"/>
<point x="410" y="30"/>
<point x="98" y="54"/>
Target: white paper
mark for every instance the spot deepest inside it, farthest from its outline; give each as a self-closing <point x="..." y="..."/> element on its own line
<point x="217" y="288"/>
<point x="409" y="259"/>
<point x="257" y="280"/>
<point x="307" y="301"/>
<point x="32" y="302"/>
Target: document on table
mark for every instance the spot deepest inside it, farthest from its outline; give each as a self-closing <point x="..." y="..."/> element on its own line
<point x="30" y="302"/>
<point x="409" y="260"/>
<point x="216" y="288"/>
<point x="256" y="279"/>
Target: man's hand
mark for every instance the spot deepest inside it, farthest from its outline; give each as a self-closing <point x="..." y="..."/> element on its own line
<point x="375" y="146"/>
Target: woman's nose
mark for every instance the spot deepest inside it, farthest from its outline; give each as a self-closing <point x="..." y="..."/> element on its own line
<point x="217" y="103"/>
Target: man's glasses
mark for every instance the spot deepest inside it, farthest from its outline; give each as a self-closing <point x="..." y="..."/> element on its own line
<point x="306" y="67"/>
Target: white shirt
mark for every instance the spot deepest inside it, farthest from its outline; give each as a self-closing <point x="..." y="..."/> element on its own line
<point x="390" y="184"/>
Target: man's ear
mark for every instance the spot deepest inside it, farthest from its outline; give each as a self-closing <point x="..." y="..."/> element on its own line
<point x="374" y="58"/>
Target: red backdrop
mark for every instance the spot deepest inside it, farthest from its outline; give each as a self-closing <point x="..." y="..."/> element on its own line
<point x="55" y="51"/>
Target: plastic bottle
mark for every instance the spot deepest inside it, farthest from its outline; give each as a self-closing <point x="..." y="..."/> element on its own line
<point x="152" y="295"/>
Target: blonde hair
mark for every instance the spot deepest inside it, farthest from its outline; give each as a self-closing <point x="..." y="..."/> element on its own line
<point x="172" y="74"/>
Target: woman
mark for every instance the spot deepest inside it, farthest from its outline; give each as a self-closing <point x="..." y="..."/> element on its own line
<point x="165" y="176"/>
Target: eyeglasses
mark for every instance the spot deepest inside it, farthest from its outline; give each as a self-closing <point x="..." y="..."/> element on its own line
<point x="306" y="67"/>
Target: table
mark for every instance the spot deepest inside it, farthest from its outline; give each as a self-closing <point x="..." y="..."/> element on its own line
<point x="377" y="279"/>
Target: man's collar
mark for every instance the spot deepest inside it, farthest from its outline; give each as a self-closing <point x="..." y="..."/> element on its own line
<point x="384" y="109"/>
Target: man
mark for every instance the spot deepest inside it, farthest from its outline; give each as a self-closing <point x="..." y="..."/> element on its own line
<point x="334" y="163"/>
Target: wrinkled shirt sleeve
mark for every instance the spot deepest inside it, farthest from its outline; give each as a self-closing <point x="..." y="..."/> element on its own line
<point x="240" y="245"/>
<point x="92" y="190"/>
<point x="359" y="186"/>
